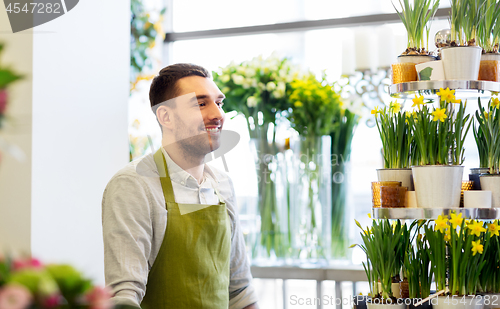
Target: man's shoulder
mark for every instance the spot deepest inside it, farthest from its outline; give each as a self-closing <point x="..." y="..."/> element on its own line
<point x="143" y="168"/>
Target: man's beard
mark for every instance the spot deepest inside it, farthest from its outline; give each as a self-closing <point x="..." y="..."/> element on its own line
<point x="194" y="144"/>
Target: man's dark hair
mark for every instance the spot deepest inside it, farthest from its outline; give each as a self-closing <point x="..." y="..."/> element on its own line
<point x="164" y="87"/>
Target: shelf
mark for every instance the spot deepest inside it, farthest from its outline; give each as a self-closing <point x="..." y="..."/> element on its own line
<point x="464" y="88"/>
<point x="433" y="213"/>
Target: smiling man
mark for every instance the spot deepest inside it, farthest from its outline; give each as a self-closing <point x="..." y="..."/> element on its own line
<point x="172" y="238"/>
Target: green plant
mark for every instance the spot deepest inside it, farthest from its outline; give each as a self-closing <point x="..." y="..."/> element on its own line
<point x="490" y="276"/>
<point x="436" y="239"/>
<point x="380" y="243"/>
<point x="416" y="18"/>
<point x="465" y="19"/>
<point x="417" y="264"/>
<point x="7" y="76"/>
<point x="145" y="26"/>
<point x="488" y="28"/>
<point x="488" y="128"/>
<point x="396" y="134"/>
<point x="480" y="138"/>
<point x="434" y="143"/>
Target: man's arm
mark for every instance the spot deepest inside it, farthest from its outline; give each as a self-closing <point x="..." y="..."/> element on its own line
<point x="127" y="233"/>
<point x="252" y="306"/>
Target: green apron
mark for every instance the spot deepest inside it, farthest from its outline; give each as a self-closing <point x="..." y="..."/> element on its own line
<point x="192" y="267"/>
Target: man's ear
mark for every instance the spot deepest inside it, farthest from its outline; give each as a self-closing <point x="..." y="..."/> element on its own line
<point x="164" y="116"/>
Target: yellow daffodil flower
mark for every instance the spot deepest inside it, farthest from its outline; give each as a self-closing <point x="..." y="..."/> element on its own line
<point x="375" y="111"/>
<point x="477" y="247"/>
<point x="494" y="228"/>
<point x="476" y="228"/>
<point x="446" y="95"/>
<point x="447" y="235"/>
<point x="439" y="114"/>
<point x="486" y="115"/>
<point x="456" y="220"/>
<point x="395" y="107"/>
<point x="457" y="101"/>
<point x="369" y="215"/>
<point x="441" y="224"/>
<point x="495" y="102"/>
<point x="298" y="104"/>
<point x="418" y="101"/>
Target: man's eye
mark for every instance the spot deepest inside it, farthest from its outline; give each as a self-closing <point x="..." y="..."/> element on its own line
<point x="201" y="103"/>
<point x="220" y="104"/>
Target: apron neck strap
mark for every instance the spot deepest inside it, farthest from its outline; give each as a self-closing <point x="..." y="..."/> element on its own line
<point x="166" y="183"/>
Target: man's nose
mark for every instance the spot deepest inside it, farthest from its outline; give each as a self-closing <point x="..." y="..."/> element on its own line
<point x="215" y="111"/>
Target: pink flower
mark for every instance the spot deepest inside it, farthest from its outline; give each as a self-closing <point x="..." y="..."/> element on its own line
<point x="14" y="296"/>
<point x="3" y="100"/>
<point x="52" y="301"/>
<point x="27" y="263"/>
<point x="99" y="298"/>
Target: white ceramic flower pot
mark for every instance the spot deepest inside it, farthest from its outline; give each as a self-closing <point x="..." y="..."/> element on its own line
<point x="492" y="183"/>
<point x="396" y="174"/>
<point x="461" y="62"/>
<point x="491" y="301"/>
<point x="438" y="186"/>
<point x="431" y="70"/>
<point x="457" y="302"/>
<point x="385" y="306"/>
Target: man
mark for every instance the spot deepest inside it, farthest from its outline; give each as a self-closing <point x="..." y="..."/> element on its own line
<point x="172" y="238"/>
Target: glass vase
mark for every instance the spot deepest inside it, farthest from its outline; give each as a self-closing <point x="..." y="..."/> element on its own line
<point x="272" y="236"/>
<point x="311" y="224"/>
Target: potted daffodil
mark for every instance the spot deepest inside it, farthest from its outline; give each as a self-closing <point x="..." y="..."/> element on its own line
<point x="398" y="145"/>
<point x="416" y="16"/>
<point x="437" y="179"/>
<point x="462" y="58"/>
<point x="381" y="242"/>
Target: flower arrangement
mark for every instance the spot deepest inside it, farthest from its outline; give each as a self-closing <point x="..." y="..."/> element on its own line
<point x="486" y="132"/>
<point x="7" y="76"/>
<point x="396" y="134"/>
<point x="27" y="283"/>
<point x="317" y="110"/>
<point x="416" y="18"/>
<point x="432" y="127"/>
<point x="257" y="89"/>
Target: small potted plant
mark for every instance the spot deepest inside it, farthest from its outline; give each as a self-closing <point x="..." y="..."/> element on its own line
<point x="416" y="16"/>
<point x="398" y="146"/>
<point x="380" y="243"/>
<point x="488" y="35"/>
<point x="437" y="182"/>
<point x="462" y="58"/>
<point x="488" y="122"/>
